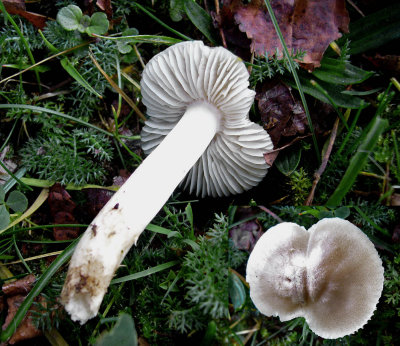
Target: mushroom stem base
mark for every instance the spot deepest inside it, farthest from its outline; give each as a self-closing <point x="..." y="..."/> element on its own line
<point x="121" y="221"/>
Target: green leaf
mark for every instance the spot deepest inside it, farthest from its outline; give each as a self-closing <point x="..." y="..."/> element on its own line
<point x="201" y="19"/>
<point x="17" y="202"/>
<point x="288" y="160"/>
<point x="358" y="161"/>
<point x="146" y="272"/>
<point x="84" y="24"/>
<point x="176" y="9"/>
<point x="237" y="293"/>
<point x="342" y="212"/>
<point x="189" y="214"/>
<point x="2" y="194"/>
<point x="4" y="217"/>
<point x="374" y="30"/>
<point x="98" y="24"/>
<point x="123" y="44"/>
<point x="73" y="72"/>
<point x="338" y="72"/>
<point x="69" y="17"/>
<point x="122" y="334"/>
<point x="334" y="91"/>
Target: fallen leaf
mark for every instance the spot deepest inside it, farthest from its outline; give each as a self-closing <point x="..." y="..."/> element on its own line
<point x="389" y="63"/>
<point x="26" y="330"/>
<point x="281" y="114"/>
<point x="21" y="286"/>
<point x="97" y="198"/>
<point x="11" y="166"/>
<point x="246" y="234"/>
<point x="308" y="26"/>
<point x="62" y="207"/>
<point x="225" y="20"/>
<point x="105" y="5"/>
<point x="18" y="7"/>
<point x="16" y="293"/>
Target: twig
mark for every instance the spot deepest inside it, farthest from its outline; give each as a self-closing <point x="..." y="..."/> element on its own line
<point x="321" y="170"/>
<point x="356" y="8"/>
<point x="276" y="217"/>
<point x="289" y="144"/>
<point x="221" y="32"/>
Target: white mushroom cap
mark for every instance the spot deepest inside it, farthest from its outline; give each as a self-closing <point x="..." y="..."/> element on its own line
<point x="331" y="275"/>
<point x="189" y="73"/>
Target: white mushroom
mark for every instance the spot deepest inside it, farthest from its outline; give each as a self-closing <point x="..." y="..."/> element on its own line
<point x="331" y="275"/>
<point x="198" y="102"/>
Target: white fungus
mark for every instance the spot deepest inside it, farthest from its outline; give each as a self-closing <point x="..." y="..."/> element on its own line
<point x="198" y="101"/>
<point x="331" y="275"/>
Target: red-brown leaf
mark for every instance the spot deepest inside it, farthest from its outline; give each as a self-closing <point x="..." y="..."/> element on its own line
<point x="62" y="207"/>
<point x="18" y="7"/>
<point x="21" y="286"/>
<point x="309" y="26"/>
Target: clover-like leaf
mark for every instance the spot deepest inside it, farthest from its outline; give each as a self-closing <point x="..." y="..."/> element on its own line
<point x="17" y="201"/>
<point x="123" y="333"/>
<point x="84" y="23"/>
<point x="4" y="217"/>
<point x="69" y="17"/>
<point x="123" y="43"/>
<point x="98" y="24"/>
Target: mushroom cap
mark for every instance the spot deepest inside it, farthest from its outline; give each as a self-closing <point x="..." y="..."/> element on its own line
<point x="331" y="275"/>
<point x="189" y="73"/>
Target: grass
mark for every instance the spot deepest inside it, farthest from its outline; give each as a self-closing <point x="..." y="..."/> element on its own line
<point x="85" y="103"/>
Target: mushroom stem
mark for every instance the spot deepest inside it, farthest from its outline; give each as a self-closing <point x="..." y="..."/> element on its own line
<point x="121" y="221"/>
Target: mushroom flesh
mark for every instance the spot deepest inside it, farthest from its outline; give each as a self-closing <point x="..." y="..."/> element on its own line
<point x="198" y="134"/>
<point x="331" y="275"/>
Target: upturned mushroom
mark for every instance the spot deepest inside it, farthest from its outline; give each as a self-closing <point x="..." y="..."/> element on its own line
<point x="198" y="134"/>
<point x="331" y="275"/>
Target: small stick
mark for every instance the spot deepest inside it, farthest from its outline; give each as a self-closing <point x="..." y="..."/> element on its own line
<point x="221" y="32"/>
<point x="321" y="170"/>
<point x="276" y="217"/>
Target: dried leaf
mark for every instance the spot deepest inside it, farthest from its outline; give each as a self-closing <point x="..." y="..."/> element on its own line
<point x="97" y="198"/>
<point x="105" y="5"/>
<point x="308" y="26"/>
<point x="281" y="114"/>
<point x="246" y="234"/>
<point x="18" y="7"/>
<point x="62" y="208"/>
<point x="16" y="292"/>
<point x="389" y="63"/>
<point x="21" y="286"/>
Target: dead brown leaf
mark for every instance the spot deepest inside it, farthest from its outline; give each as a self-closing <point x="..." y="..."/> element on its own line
<point x="16" y="293"/>
<point x="21" y="286"/>
<point x="245" y="235"/>
<point x="308" y="26"/>
<point x="281" y="114"/>
<point x="105" y="5"/>
<point x="62" y="207"/>
<point x="18" y="7"/>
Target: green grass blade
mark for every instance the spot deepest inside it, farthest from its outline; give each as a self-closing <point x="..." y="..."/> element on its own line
<point x="146" y="272"/>
<point x="177" y="33"/>
<point x="295" y="76"/>
<point x="23" y="40"/>
<point x="39" y="286"/>
<point x="358" y="161"/>
<point x="153" y="39"/>
<point x="201" y="20"/>
<point x="73" y="72"/>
